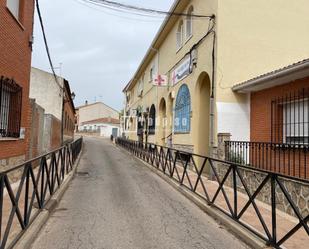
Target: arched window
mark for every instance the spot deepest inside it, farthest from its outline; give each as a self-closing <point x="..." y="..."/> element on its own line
<point x="179" y="35"/>
<point x="182" y="120"/>
<point x="189" y="22"/>
<point x="152" y="120"/>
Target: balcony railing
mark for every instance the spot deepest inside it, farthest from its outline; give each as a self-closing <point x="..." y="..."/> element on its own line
<point x="287" y="159"/>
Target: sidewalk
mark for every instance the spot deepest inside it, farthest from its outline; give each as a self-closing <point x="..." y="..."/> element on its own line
<point x="285" y="222"/>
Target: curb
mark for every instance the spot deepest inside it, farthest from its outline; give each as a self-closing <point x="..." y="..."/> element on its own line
<point x="31" y="233"/>
<point x="232" y="226"/>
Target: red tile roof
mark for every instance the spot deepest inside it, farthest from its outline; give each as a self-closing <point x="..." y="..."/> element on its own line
<point x="103" y="120"/>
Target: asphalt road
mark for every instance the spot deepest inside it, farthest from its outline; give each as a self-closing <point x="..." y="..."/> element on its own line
<point x="117" y="202"/>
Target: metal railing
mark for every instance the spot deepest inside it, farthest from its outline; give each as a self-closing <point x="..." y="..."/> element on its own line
<point x="203" y="176"/>
<point x="37" y="180"/>
<point x="287" y="159"/>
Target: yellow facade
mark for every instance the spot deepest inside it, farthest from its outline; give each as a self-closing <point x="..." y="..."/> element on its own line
<point x="253" y="37"/>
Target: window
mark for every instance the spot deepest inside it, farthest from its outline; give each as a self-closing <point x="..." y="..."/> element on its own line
<point x="189" y="23"/>
<point x="295" y="120"/>
<point x="182" y="120"/>
<point x="13" y="6"/>
<point x="10" y="108"/>
<point x="179" y="35"/>
<point x="140" y="87"/>
<point x="152" y="120"/>
<point x="290" y="118"/>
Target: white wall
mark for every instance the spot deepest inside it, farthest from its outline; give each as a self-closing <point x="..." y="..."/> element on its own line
<point x="46" y="92"/>
<point x="96" y="111"/>
<point x="106" y="130"/>
<point x="234" y="118"/>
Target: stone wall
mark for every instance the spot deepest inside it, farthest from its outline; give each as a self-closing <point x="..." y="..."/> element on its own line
<point x="6" y="164"/>
<point x="183" y="147"/>
<point x="299" y="191"/>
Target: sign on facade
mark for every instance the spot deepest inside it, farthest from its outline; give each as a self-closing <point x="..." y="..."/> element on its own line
<point x="160" y="80"/>
<point x="181" y="71"/>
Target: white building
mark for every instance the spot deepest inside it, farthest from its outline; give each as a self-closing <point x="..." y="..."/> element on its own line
<point x="47" y="92"/>
<point x="95" y="111"/>
<point x="105" y="127"/>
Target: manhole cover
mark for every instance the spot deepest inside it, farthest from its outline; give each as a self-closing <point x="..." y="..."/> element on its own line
<point x="80" y="173"/>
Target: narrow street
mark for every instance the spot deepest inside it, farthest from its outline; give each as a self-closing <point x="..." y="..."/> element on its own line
<point x="116" y="202"/>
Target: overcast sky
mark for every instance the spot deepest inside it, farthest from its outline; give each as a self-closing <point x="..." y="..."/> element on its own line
<point x="99" y="49"/>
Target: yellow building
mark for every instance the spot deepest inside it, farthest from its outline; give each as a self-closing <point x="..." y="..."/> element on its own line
<point x="203" y="58"/>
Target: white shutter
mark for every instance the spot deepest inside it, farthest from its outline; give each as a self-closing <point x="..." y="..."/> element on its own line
<point x="296" y="119"/>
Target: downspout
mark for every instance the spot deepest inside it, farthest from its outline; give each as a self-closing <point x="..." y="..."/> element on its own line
<point x="212" y="96"/>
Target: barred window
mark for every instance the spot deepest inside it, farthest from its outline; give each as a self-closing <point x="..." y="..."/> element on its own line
<point x="10" y="108"/>
<point x="182" y="120"/>
<point x="152" y="120"/>
<point x="290" y="118"/>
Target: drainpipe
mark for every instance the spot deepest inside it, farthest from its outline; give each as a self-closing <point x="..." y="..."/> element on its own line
<point x="212" y="98"/>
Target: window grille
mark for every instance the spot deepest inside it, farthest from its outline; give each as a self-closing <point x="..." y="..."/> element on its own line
<point x="182" y="120"/>
<point x="10" y="108"/>
<point x="290" y="118"/>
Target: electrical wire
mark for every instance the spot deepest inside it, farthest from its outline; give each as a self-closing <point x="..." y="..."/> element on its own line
<point x="45" y="41"/>
<point x="138" y="10"/>
<point x="155" y="19"/>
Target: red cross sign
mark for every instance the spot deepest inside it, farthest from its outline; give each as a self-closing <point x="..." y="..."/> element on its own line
<point x="161" y="80"/>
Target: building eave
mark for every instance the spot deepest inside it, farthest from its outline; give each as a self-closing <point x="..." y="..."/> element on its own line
<point x="298" y="70"/>
<point x="178" y="6"/>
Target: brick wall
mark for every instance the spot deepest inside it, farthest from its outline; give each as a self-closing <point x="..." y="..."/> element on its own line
<point x="68" y="122"/>
<point x="37" y="129"/>
<point x="284" y="160"/>
<point x="55" y="133"/>
<point x="68" y="118"/>
<point x="15" y="60"/>
<point x="261" y="108"/>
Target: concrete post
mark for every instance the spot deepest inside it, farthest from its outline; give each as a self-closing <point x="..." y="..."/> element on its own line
<point x="222" y="137"/>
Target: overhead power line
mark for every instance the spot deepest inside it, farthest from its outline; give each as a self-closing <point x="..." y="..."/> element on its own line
<point x="45" y="41"/>
<point x="138" y="10"/>
<point x="128" y="17"/>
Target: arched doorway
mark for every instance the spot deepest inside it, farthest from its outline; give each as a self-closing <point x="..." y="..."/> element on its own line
<point x="162" y="122"/>
<point x="202" y="116"/>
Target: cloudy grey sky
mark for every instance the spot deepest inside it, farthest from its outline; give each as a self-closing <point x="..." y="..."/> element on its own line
<point x="99" y="49"/>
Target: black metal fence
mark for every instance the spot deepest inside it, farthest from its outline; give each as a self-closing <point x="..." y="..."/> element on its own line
<point x="10" y="108"/>
<point x="39" y="178"/>
<point x="287" y="159"/>
<point x="203" y="176"/>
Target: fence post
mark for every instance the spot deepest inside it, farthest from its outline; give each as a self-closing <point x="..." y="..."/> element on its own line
<point x="273" y="209"/>
<point x="221" y="149"/>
